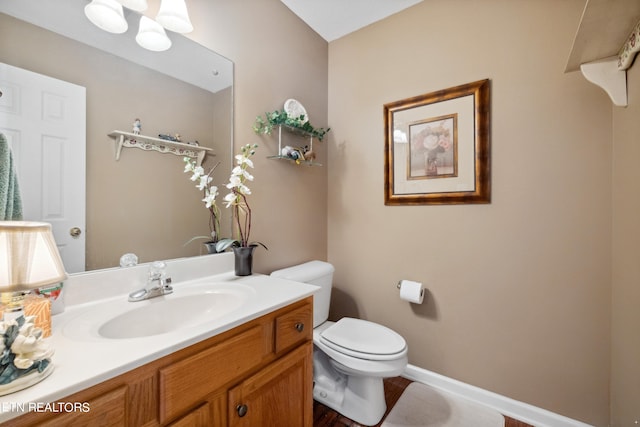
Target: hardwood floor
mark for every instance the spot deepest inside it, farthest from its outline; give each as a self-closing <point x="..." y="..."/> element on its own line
<point x="393" y="388"/>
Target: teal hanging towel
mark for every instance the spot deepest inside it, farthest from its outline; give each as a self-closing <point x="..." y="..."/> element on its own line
<point x="10" y="201"/>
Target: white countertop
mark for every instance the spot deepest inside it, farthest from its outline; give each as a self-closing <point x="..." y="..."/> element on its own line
<point x="84" y="359"/>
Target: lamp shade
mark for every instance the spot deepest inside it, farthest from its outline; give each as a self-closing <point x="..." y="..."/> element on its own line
<point x="29" y="257"/>
<point x="173" y="16"/>
<point x="137" y="5"/>
<point x="107" y="15"/>
<point x="152" y="36"/>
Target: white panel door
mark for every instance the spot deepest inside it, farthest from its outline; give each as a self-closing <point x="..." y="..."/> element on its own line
<point x="44" y="121"/>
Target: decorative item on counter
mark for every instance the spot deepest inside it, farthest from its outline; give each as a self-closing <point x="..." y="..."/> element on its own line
<point x="26" y="358"/>
<point x="237" y="200"/>
<point x="39" y="307"/>
<point x="29" y="259"/>
<point x="137" y="127"/>
<point x="36" y="306"/>
<point x="54" y="294"/>
<point x="210" y="193"/>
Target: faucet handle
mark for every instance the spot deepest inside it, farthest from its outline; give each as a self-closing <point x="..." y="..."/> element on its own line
<point x="157" y="270"/>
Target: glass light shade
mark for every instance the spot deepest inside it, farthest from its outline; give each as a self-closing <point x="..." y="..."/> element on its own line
<point x="173" y="16"/>
<point x="137" y="5"/>
<point x="29" y="257"/>
<point x="152" y="36"/>
<point x="107" y="15"/>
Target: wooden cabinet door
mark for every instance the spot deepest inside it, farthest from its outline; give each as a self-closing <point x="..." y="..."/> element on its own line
<point x="106" y="410"/>
<point x="196" y="418"/>
<point x="280" y="395"/>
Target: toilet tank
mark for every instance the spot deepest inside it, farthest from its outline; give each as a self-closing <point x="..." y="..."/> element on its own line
<point x="317" y="273"/>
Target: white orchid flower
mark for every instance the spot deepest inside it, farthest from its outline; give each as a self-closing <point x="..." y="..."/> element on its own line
<point x="236" y="198"/>
<point x="204" y="181"/>
<point x="234" y="181"/>
<point x="210" y="198"/>
<point x="197" y="173"/>
<point x="188" y="164"/>
<point x="242" y="159"/>
<point x="230" y="199"/>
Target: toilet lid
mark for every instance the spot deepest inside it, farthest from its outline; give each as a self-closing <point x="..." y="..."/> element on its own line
<point x="361" y="338"/>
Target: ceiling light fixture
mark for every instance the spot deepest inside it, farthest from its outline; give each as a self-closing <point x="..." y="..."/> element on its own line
<point x="137" y="5"/>
<point x="173" y="16"/>
<point x="107" y="15"/>
<point x="152" y="36"/>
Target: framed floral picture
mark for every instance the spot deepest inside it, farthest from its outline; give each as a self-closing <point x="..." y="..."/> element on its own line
<point x="437" y="148"/>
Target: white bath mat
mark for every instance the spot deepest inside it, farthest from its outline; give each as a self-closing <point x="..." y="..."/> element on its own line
<point x="424" y="406"/>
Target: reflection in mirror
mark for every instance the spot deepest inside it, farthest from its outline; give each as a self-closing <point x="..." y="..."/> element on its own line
<point x="142" y="203"/>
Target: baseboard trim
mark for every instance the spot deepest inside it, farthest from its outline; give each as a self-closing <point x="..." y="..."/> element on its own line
<point x="512" y="408"/>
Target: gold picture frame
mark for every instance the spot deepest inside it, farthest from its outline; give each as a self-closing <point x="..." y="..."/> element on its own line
<point x="437" y="147"/>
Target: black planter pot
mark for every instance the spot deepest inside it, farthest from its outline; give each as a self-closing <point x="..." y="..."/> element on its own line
<point x="243" y="260"/>
<point x="211" y="247"/>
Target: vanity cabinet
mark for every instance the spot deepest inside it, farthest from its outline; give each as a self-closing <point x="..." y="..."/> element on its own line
<point x="256" y="374"/>
<point x="272" y="396"/>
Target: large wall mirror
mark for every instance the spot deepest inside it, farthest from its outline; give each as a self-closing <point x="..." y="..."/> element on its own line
<point x="144" y="202"/>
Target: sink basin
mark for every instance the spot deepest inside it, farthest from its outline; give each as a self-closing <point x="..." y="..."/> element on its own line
<point x="186" y="307"/>
<point x="168" y="315"/>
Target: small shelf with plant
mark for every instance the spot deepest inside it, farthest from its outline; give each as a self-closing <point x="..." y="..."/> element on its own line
<point x="297" y="124"/>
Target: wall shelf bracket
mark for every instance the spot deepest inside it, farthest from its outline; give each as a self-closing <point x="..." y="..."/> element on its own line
<point x="605" y="74"/>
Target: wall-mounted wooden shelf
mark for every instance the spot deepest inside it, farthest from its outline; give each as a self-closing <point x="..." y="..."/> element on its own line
<point x="148" y="143"/>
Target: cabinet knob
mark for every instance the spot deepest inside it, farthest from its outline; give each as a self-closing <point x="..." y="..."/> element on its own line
<point x="299" y="326"/>
<point x="242" y="410"/>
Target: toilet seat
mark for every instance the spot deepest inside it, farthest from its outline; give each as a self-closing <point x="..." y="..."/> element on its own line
<point x="363" y="340"/>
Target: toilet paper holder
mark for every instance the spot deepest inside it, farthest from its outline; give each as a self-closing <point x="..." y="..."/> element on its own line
<point x="399" y="285"/>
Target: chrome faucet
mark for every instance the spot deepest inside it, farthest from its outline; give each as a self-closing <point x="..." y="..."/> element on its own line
<point x="157" y="284"/>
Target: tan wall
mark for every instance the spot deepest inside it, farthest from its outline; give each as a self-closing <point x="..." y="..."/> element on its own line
<point x="276" y="57"/>
<point x="519" y="289"/>
<point x="625" y="373"/>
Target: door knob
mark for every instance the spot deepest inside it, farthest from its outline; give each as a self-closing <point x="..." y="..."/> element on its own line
<point x="75" y="232"/>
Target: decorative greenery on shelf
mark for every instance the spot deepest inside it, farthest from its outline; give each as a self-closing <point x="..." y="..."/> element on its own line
<point x="280" y="117"/>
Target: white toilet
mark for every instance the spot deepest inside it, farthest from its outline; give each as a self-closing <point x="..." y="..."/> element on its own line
<point x="351" y="356"/>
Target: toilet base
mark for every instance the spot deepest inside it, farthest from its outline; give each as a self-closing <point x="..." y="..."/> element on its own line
<point x="356" y="397"/>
